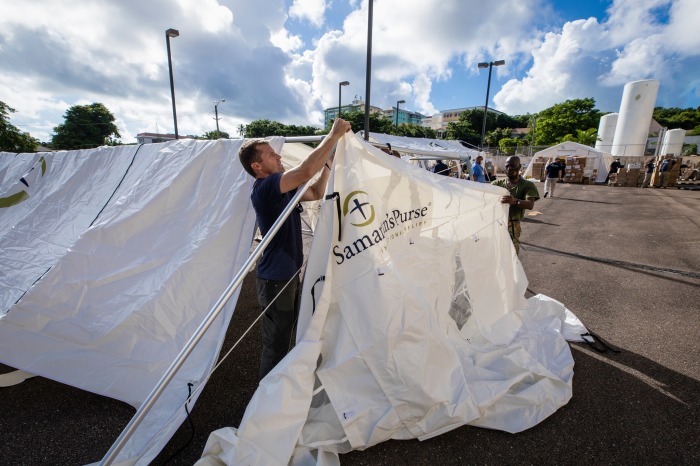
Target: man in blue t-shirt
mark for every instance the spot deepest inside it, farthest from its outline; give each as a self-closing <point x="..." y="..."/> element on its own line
<point x="478" y="173"/>
<point x="278" y="269"/>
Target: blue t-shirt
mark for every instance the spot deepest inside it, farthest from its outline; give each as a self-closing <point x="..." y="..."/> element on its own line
<point x="284" y="255"/>
<point x="478" y="173"/>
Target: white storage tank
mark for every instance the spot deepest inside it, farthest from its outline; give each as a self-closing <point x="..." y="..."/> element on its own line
<point x="606" y="132"/>
<point x="636" y="110"/>
<point x="673" y="142"/>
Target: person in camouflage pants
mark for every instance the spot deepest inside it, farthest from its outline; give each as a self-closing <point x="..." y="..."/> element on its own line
<point x="522" y="195"/>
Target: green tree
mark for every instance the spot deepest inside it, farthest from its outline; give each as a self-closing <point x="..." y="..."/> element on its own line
<point x="463" y="131"/>
<point x="414" y="131"/>
<point x="85" y="126"/>
<point x="587" y="137"/>
<point x="493" y="138"/>
<point x="468" y="127"/>
<point x="508" y="145"/>
<point x="264" y="128"/>
<point x="378" y="123"/>
<point x="523" y="121"/>
<point x="473" y="119"/>
<point x="678" y="118"/>
<point x="11" y="138"/>
<point x="215" y="135"/>
<point x="690" y="149"/>
<point x="555" y="122"/>
<point x="241" y="130"/>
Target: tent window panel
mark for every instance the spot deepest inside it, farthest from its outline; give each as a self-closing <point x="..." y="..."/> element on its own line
<point x="460" y="307"/>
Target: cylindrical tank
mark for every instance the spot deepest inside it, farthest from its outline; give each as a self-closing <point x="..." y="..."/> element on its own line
<point x="673" y="142"/>
<point x="606" y="132"/>
<point x="636" y="109"/>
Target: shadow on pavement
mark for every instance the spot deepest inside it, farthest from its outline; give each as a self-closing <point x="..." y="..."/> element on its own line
<point x="587" y="200"/>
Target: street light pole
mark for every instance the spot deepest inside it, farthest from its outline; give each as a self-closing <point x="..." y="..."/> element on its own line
<point x="397" y="111"/>
<point x="340" y="90"/>
<point x="216" y="116"/>
<point x="489" y="65"/>
<point x="368" y="72"/>
<point x="168" y="34"/>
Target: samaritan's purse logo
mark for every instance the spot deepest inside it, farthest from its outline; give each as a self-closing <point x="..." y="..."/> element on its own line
<point x="22" y="195"/>
<point x="392" y="224"/>
<point x="358" y="208"/>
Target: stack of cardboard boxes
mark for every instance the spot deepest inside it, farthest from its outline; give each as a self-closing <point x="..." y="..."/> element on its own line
<point x="633" y="177"/>
<point x="629" y="177"/>
<point x="538" y="170"/>
<point x="574" y="169"/>
<point x="618" y="179"/>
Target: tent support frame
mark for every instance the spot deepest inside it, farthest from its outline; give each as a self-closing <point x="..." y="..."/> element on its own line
<point x="148" y="403"/>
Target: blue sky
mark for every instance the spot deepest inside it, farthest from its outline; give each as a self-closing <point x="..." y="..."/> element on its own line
<point x="283" y="59"/>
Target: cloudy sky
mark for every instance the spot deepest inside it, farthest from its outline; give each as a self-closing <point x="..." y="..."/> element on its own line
<point x="283" y="59"/>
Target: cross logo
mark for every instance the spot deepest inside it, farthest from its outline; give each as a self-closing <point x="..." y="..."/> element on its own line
<point x="359" y="208"/>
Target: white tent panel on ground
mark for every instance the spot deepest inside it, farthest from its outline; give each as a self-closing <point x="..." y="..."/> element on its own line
<point x="413" y="323"/>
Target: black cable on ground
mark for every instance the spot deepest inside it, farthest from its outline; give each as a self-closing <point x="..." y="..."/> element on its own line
<point x="615" y="262"/>
<point x="189" y="418"/>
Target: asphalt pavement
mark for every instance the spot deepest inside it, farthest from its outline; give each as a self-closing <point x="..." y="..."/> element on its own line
<point x="626" y="261"/>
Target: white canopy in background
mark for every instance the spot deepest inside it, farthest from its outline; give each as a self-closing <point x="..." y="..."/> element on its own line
<point x="449" y="149"/>
<point x="112" y="261"/>
<point x="413" y="323"/>
<point x="595" y="159"/>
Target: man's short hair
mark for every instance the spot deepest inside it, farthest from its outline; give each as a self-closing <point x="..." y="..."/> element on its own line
<point x="248" y="154"/>
<point x="513" y="158"/>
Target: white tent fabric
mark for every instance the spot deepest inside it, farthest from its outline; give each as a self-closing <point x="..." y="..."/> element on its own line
<point x="133" y="268"/>
<point x="413" y="323"/>
<point x="13" y="166"/>
<point x="449" y="149"/>
<point x="293" y="153"/>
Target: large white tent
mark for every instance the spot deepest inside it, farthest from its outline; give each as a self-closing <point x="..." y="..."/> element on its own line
<point x="112" y="257"/>
<point x="595" y="159"/>
<point x="413" y="323"/>
<point x="110" y="260"/>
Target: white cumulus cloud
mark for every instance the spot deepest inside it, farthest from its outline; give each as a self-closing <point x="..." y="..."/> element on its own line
<point x="311" y="10"/>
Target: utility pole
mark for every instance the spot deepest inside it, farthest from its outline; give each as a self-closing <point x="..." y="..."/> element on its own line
<point x="216" y="116"/>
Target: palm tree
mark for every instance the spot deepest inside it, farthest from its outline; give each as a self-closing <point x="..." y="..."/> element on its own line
<point x="241" y="130"/>
<point x="587" y="137"/>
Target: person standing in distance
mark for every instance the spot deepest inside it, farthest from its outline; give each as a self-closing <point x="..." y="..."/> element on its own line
<point x="478" y="173"/>
<point x="614" y="168"/>
<point x="278" y="269"/>
<point x="441" y="168"/>
<point x="664" y="171"/>
<point x="522" y="195"/>
<point x="554" y="172"/>
<point x="648" y="172"/>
